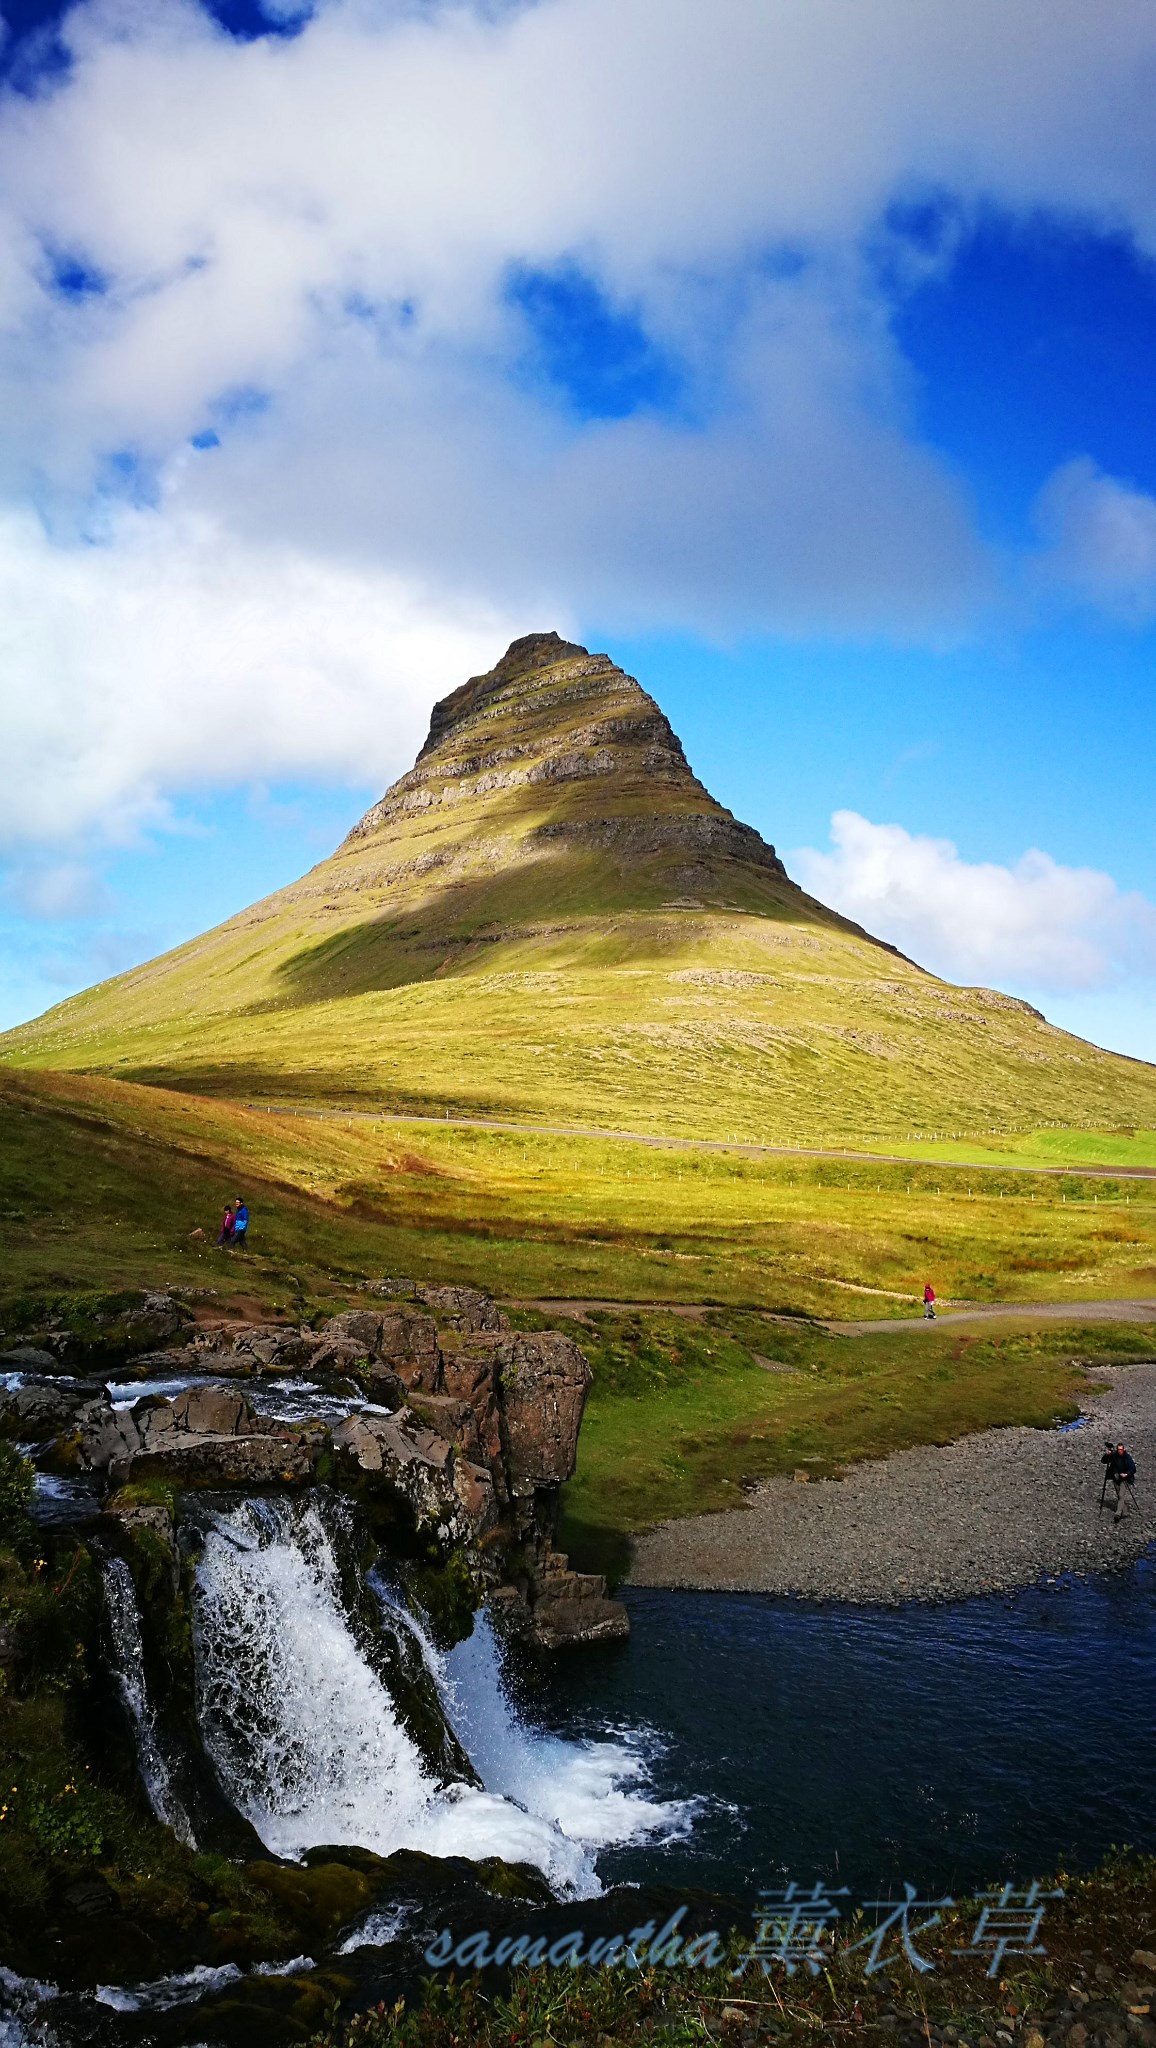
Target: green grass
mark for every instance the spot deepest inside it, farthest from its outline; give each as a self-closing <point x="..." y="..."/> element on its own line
<point x="103" y="1184"/>
<point x="1049" y="1147"/>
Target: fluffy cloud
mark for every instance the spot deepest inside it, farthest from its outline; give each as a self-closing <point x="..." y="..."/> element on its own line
<point x="1101" y="540"/>
<point x="1036" y="925"/>
<point x="169" y="659"/>
<point x="304" y="247"/>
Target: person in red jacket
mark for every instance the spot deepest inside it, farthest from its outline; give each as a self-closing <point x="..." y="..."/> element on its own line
<point x="929" y="1301"/>
<point x="225" y="1236"/>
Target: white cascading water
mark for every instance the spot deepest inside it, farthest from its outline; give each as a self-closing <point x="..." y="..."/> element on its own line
<point x="593" y="1791"/>
<point x="308" y="1746"/>
<point x="128" y="1649"/>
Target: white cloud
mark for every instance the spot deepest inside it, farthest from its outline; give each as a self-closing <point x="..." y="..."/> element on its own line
<point x="171" y="659"/>
<point x="1036" y="925"/>
<point x="1101" y="540"/>
<point x="56" y="890"/>
<point x="325" y="225"/>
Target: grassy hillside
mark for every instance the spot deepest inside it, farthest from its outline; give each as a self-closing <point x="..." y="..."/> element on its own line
<point x="550" y="918"/>
<point x="104" y="1183"/>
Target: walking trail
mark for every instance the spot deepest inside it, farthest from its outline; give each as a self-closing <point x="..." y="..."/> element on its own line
<point x="1128" y="1311"/>
<point x="748" y="1148"/>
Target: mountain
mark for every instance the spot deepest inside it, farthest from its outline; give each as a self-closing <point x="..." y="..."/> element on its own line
<point x="550" y="917"/>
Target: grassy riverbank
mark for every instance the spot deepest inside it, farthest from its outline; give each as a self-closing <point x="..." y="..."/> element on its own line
<point x="681" y="1414"/>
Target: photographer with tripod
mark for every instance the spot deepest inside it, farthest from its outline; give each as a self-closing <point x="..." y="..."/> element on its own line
<point x="1120" y="1471"/>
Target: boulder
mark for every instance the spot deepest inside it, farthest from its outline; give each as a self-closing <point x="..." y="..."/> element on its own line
<point x="108" y="1438"/>
<point x="357" y="1326"/>
<point x="408" y="1347"/>
<point x="157" y="1320"/>
<point x="41" y="1409"/>
<point x="415" y="1460"/>
<point x="29" y="1358"/>
<point x="394" y="1348"/>
<point x="277" y="1347"/>
<point x="200" y="1411"/>
<point x="157" y="1365"/>
<point x="451" y="1419"/>
<point x="542" y="1382"/>
<point x="190" y="1460"/>
<point x="474" y="1488"/>
<point x="572" y="1608"/>
<point x="470" y="1374"/>
<point x="464" y="1309"/>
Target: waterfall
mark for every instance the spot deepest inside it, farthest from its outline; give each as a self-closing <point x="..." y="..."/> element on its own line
<point x="303" y="1732"/>
<point x="593" y="1790"/>
<point x="128" y="1651"/>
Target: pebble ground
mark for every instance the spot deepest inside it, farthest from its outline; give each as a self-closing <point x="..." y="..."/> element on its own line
<point x="997" y="1510"/>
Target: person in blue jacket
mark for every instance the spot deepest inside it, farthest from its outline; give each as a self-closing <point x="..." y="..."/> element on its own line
<point x="240" y="1225"/>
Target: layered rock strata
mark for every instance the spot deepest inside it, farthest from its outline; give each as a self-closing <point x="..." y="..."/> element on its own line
<point x="549" y="715"/>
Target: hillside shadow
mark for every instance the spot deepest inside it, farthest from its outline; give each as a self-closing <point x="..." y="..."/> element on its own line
<point x="456" y="925"/>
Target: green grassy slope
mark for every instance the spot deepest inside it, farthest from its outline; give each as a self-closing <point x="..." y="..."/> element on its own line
<point x="550" y="918"/>
<point x="104" y="1183"/>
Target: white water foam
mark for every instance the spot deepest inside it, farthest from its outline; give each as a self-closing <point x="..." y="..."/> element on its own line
<point x="309" y="1746"/>
<point x="595" y="1791"/>
<point x="124" y="1628"/>
<point x="21" y="2022"/>
<point x="377" y="1930"/>
<point x="167" y="1992"/>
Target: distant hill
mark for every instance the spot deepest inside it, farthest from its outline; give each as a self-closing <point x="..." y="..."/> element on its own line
<point x="549" y="917"/>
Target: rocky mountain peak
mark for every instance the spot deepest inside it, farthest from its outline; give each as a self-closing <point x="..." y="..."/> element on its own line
<point x="545" y="695"/>
<point x="548" y="713"/>
<point x="557" y="747"/>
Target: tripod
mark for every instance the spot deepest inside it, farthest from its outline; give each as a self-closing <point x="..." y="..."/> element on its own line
<point x="1119" y="1484"/>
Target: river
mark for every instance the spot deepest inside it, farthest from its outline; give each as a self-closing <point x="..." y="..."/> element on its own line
<point x="951" y="1745"/>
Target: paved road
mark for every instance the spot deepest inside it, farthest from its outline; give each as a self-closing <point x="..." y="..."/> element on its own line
<point x="491" y="1123"/>
<point x="1004" y="1311"/>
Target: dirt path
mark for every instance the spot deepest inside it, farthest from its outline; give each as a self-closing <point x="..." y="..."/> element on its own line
<point x="965" y="1312"/>
<point x="749" y="1151"/>
<point x="996" y="1510"/>
<point x="1008" y="1311"/>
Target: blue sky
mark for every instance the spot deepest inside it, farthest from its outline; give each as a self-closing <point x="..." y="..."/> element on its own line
<point x="807" y="372"/>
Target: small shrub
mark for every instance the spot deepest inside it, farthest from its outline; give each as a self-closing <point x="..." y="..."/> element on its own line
<point x="16" y="1483"/>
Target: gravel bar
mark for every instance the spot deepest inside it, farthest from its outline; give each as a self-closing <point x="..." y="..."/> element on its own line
<point x="999" y="1509"/>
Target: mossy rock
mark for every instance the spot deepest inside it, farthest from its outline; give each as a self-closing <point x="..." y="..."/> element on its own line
<point x="447" y="1594"/>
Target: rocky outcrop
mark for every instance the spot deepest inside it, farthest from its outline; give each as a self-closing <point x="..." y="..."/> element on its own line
<point x="472" y="1429"/>
<point x="444" y="1492"/>
<point x="394" y="1350"/>
<point x="465" y="1310"/>
<point x="572" y="1607"/>
<point x="38" y="1410"/>
<point x="271" y="1347"/>
<point x="542" y="1382"/>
